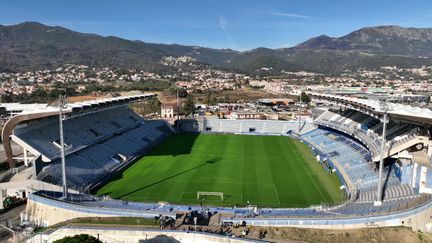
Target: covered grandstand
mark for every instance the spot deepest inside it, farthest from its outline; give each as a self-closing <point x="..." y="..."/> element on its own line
<point x="266" y="127"/>
<point x="362" y="119"/>
<point x="101" y="137"/>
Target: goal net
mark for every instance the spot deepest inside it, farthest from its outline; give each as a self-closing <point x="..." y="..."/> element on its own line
<point x="203" y="194"/>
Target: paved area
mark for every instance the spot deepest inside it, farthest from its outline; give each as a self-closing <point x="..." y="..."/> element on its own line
<point x="22" y="175"/>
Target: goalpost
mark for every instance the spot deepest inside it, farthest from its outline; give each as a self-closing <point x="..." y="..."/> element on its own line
<point x="219" y="194"/>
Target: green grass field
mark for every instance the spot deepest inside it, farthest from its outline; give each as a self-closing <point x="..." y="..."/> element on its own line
<point x="270" y="171"/>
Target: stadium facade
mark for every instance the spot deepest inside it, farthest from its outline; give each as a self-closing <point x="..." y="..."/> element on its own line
<point x="105" y="136"/>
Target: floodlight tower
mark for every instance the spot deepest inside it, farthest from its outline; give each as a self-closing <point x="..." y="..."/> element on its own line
<point x="178" y="107"/>
<point x="62" y="104"/>
<point x="384" y="107"/>
<point x="299" y="112"/>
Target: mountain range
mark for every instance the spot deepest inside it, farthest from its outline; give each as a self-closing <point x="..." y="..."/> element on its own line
<point x="34" y="46"/>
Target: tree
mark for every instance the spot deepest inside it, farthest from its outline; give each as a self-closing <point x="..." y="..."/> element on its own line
<point x="209" y="100"/>
<point x="154" y="104"/>
<point x="7" y="98"/>
<point x="305" y="98"/>
<point x="182" y="93"/>
<point x="189" y="105"/>
<point x="82" y="238"/>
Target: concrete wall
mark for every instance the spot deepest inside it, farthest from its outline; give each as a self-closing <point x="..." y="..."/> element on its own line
<point x="47" y="212"/>
<point x="419" y="218"/>
<point x="45" y="215"/>
<point x="131" y="235"/>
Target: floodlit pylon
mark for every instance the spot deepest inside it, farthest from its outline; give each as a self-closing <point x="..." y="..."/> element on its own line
<point x="62" y="104"/>
<point x="384" y="107"/>
<point x="299" y="112"/>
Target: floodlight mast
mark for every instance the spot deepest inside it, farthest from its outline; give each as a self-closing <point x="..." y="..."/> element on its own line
<point x="299" y="111"/>
<point x="62" y="104"/>
<point x="384" y="108"/>
<point x="178" y="107"/>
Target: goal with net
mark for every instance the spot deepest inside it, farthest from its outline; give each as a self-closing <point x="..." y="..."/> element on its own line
<point x="203" y="194"/>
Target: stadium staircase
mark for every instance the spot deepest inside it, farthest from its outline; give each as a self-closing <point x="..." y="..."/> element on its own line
<point x="407" y="142"/>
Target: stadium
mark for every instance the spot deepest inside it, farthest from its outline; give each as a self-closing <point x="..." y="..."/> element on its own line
<point x="356" y="164"/>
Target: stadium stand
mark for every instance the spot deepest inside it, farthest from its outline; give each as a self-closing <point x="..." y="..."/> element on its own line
<point x="362" y="119"/>
<point x="79" y="132"/>
<point x="93" y="165"/>
<point x="270" y="127"/>
<point x="369" y="130"/>
<point x="353" y="160"/>
<point x="97" y="143"/>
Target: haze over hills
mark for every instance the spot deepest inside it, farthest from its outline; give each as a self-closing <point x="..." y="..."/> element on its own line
<point x="33" y="46"/>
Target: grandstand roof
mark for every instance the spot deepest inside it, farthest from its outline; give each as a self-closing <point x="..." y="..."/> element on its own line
<point x="38" y="108"/>
<point x="22" y="107"/>
<point x="418" y="114"/>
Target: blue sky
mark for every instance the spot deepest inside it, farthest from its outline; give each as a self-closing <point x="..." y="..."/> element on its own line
<point x="235" y="24"/>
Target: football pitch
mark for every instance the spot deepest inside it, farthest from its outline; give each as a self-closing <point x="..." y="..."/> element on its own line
<point x="267" y="171"/>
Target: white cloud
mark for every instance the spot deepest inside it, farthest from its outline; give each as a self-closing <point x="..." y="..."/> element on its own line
<point x="292" y="15"/>
<point x="223" y="24"/>
<point x="417" y="20"/>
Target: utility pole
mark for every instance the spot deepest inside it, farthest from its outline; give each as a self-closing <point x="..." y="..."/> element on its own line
<point x="385" y="108"/>
<point x="62" y="104"/>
